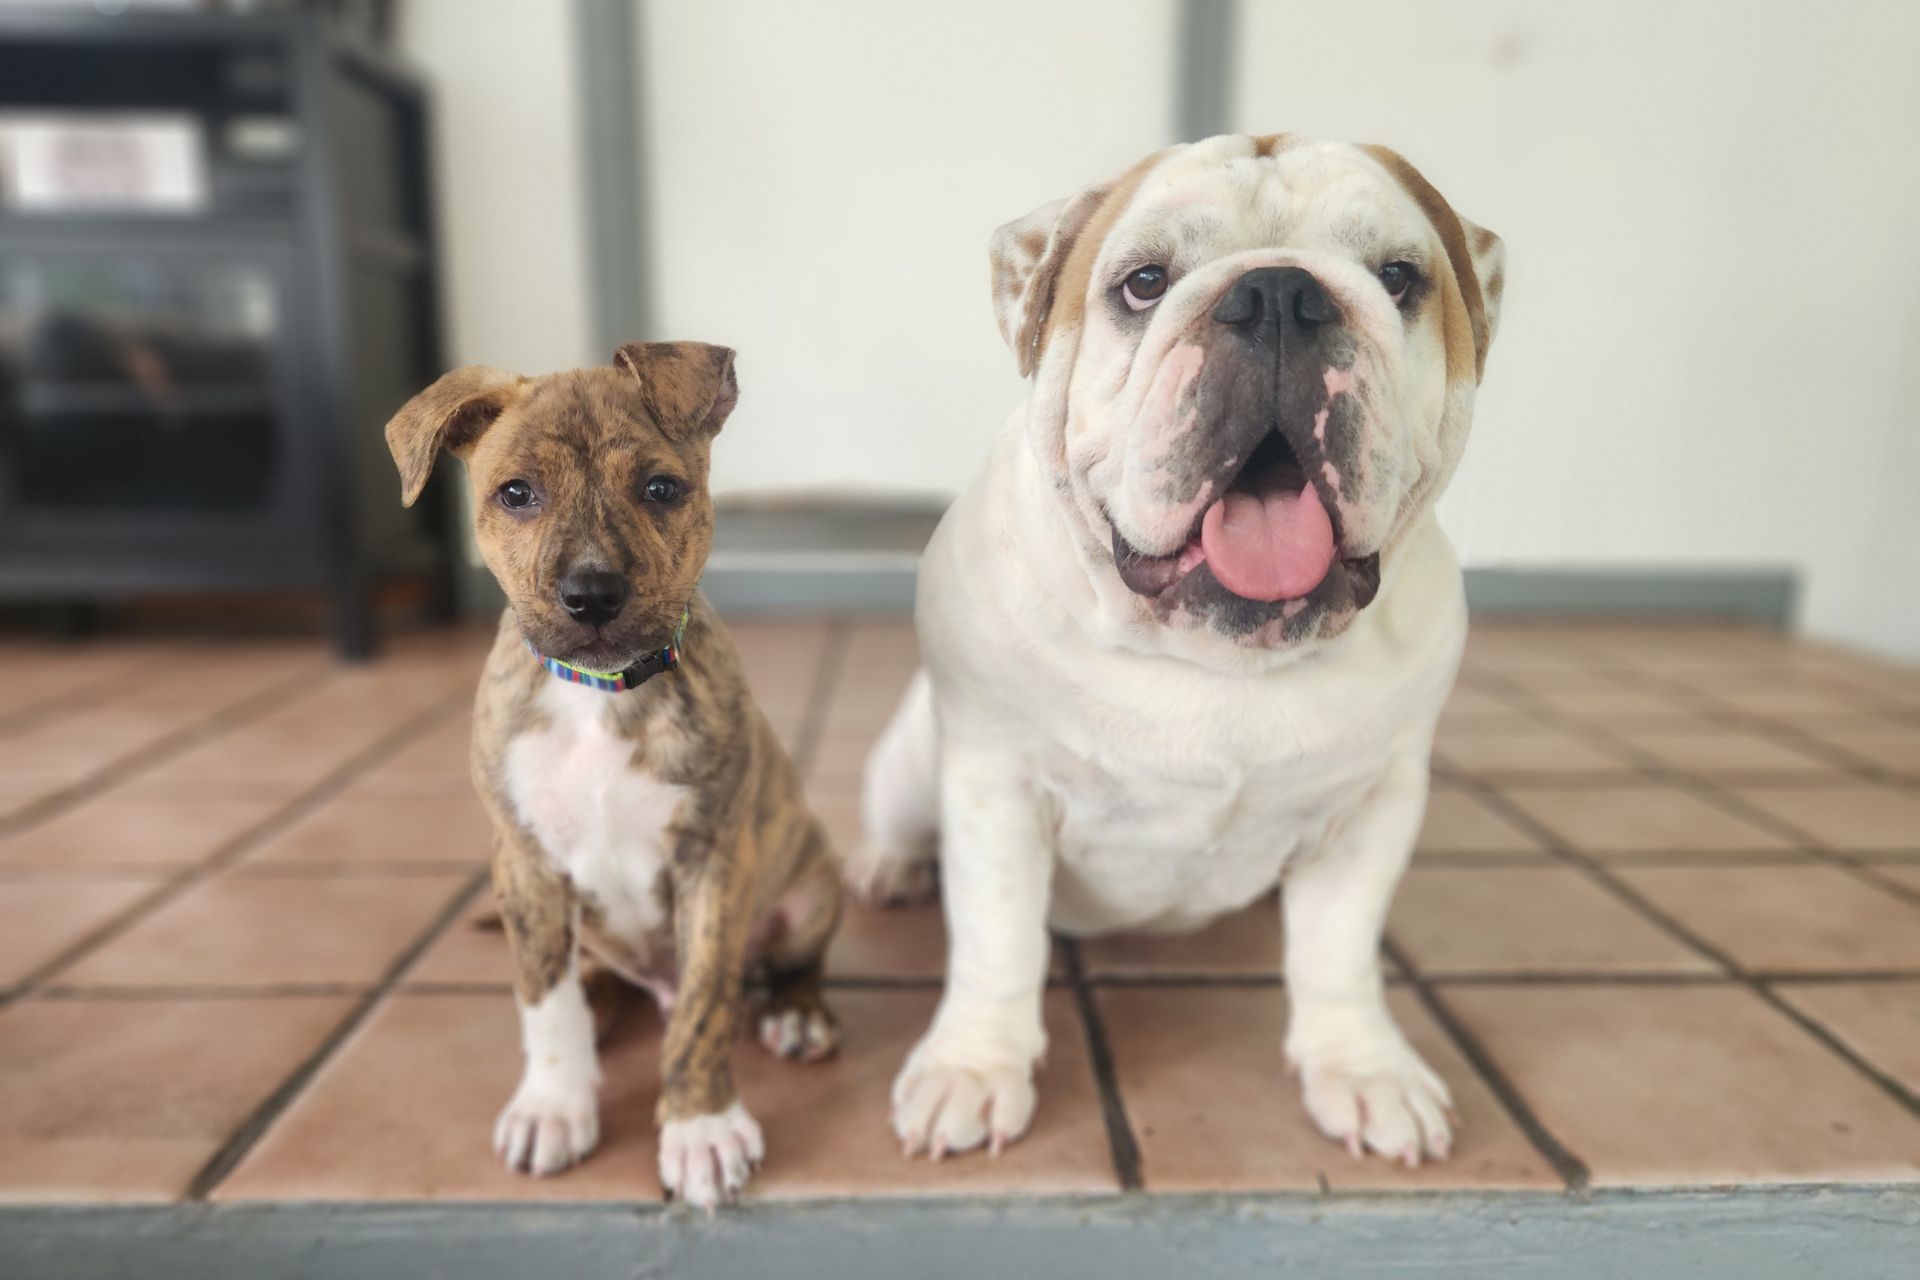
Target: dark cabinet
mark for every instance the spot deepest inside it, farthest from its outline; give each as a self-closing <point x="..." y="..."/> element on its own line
<point x="192" y="388"/>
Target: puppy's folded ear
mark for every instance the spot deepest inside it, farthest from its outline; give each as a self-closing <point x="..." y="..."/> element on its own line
<point x="687" y="386"/>
<point x="452" y="414"/>
<point x="1477" y="257"/>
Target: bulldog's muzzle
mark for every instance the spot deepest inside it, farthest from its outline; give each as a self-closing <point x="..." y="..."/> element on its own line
<point x="1274" y="437"/>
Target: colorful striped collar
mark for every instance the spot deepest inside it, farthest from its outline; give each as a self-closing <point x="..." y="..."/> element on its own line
<point x="618" y="681"/>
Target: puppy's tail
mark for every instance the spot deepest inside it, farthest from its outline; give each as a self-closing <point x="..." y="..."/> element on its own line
<point x="900" y="806"/>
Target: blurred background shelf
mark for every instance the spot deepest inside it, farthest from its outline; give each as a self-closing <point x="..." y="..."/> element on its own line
<point x="217" y="279"/>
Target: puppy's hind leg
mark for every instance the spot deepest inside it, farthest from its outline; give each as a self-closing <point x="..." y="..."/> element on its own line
<point x="900" y="806"/>
<point x="795" y="1021"/>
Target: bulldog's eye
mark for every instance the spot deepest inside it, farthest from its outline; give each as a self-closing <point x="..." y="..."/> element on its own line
<point x="662" y="489"/>
<point x="518" y="495"/>
<point x="1144" y="286"/>
<point x="1397" y="278"/>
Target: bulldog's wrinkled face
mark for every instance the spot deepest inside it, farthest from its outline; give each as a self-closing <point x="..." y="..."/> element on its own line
<point x="589" y="489"/>
<point x="1256" y="361"/>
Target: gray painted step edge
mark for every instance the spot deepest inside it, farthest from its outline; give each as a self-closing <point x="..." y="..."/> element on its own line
<point x="1812" y="1233"/>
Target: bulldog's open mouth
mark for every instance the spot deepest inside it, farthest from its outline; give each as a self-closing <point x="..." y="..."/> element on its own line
<point x="1268" y="538"/>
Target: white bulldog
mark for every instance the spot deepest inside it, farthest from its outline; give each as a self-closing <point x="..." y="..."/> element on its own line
<point x="1190" y="630"/>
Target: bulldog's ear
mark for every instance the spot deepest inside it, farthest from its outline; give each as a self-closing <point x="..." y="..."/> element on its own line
<point x="452" y="414"/>
<point x="1026" y="255"/>
<point x="686" y="385"/>
<point x="1489" y="253"/>
<point x="1478" y="258"/>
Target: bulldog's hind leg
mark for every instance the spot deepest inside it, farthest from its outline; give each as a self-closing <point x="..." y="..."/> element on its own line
<point x="1363" y="1084"/>
<point x="795" y="1021"/>
<point x="900" y="806"/>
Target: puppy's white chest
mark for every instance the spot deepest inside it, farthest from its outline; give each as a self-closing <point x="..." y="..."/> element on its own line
<point x="602" y="821"/>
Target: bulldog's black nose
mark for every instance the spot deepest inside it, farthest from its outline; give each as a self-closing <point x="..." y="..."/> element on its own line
<point x="593" y="596"/>
<point x="1272" y="299"/>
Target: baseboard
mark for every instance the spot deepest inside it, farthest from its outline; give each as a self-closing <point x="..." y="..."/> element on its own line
<point x="1763" y="597"/>
<point x="884" y="583"/>
<point x="832" y="554"/>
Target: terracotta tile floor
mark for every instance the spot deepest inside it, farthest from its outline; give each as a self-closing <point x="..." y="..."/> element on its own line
<point x="1663" y="928"/>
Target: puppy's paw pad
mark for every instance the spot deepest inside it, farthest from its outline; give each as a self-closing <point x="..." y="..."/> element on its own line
<point x="807" y="1033"/>
<point x="545" y="1130"/>
<point x="706" y="1159"/>
<point x="884" y="877"/>
<point x="942" y="1109"/>
<point x="1400" y="1110"/>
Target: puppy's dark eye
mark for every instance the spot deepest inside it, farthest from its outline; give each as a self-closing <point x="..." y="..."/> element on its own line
<point x="1397" y="278"/>
<point x="662" y="489"/>
<point x="1144" y="286"/>
<point x="518" y="495"/>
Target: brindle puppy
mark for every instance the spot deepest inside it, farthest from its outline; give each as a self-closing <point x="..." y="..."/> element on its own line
<point x="658" y="823"/>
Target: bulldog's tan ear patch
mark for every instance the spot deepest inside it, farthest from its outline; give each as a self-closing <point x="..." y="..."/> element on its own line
<point x="1490" y="267"/>
<point x="1026" y="256"/>
<point x="1048" y="256"/>
<point x="1478" y="261"/>
<point x="685" y="384"/>
<point x="452" y="414"/>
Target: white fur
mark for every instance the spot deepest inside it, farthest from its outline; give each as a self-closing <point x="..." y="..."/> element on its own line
<point x="553" y="1119"/>
<point x="603" y="822"/>
<point x="708" y="1158"/>
<point x="1101" y="769"/>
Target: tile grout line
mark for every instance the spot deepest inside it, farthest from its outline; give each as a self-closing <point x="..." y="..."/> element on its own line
<point x="828" y="672"/>
<point x="234" y="849"/>
<point x="202" y="991"/>
<point x="250" y="1130"/>
<point x="1720" y="795"/>
<point x="1638" y="902"/>
<point x="1729" y="801"/>
<point x="1122" y="1145"/>
<point x="87" y="695"/>
<point x="1572" y="1170"/>
<point x="122" y="769"/>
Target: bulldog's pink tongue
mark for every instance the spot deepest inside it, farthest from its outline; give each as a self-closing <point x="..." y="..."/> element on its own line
<point x="1274" y="545"/>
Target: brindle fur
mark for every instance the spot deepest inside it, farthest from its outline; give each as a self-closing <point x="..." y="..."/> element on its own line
<point x="749" y="877"/>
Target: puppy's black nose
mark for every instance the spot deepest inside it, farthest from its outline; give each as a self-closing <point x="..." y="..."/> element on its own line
<point x="1273" y="299"/>
<point x="593" y="596"/>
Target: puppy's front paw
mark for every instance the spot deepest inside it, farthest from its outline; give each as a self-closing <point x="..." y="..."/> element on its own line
<point x="942" y="1106"/>
<point x="1381" y="1098"/>
<point x="547" y="1127"/>
<point x="705" y="1159"/>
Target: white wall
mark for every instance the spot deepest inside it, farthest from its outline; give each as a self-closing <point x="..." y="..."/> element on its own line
<point x="508" y="178"/>
<point x="1712" y="213"/>
<point x="824" y="180"/>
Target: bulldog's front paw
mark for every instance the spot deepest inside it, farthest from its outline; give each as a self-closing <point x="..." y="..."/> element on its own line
<point x="943" y="1106"/>
<point x="547" y="1127"/>
<point x="1373" y="1093"/>
<point x="705" y="1159"/>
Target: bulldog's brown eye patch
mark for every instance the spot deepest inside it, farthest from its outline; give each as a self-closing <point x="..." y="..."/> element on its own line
<point x="1144" y="286"/>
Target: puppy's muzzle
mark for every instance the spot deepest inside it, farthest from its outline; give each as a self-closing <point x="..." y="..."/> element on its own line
<point x="1272" y="305"/>
<point x="593" y="597"/>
